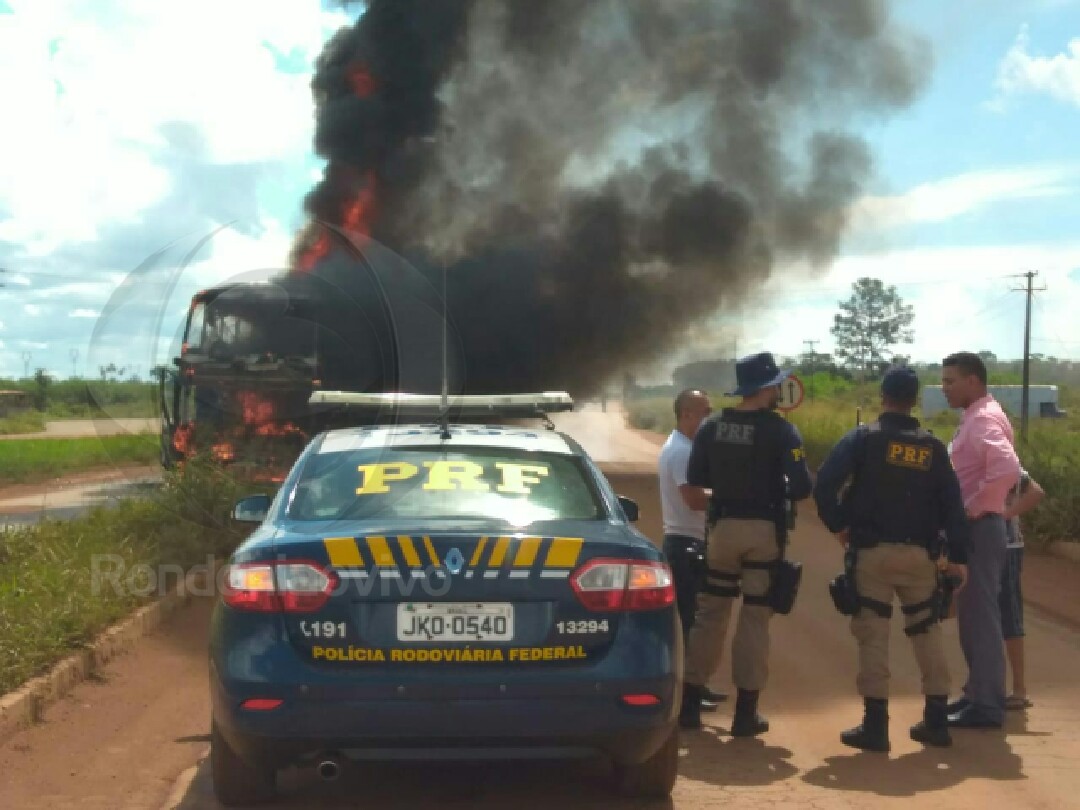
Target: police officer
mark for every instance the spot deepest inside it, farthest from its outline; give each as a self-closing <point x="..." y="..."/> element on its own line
<point x="901" y="493"/>
<point x="746" y="455"/>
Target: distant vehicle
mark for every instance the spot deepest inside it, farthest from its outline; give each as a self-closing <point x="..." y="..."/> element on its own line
<point x="443" y="591"/>
<point x="1042" y="400"/>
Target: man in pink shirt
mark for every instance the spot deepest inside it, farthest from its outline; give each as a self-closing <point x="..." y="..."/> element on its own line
<point x="986" y="464"/>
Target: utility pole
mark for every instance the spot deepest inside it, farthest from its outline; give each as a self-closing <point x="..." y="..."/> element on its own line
<point x="74" y="354"/>
<point x="1029" y="290"/>
<point x="813" y="363"/>
<point x="27" y="358"/>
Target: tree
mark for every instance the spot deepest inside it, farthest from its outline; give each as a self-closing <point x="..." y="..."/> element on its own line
<point x="41" y="389"/>
<point x="869" y="324"/>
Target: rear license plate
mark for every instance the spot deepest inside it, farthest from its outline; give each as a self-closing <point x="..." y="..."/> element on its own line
<point x="455" y="621"/>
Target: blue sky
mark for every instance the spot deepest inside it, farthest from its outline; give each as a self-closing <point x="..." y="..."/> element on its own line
<point x="135" y="127"/>
<point x="978" y="180"/>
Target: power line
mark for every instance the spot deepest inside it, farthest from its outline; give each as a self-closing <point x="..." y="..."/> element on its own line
<point x="813" y="358"/>
<point x="1030" y="291"/>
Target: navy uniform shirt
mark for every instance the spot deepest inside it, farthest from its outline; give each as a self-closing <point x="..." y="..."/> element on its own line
<point x="793" y="459"/>
<point x="839" y="468"/>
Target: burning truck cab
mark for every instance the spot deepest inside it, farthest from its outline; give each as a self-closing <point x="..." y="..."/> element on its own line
<point x="252" y="356"/>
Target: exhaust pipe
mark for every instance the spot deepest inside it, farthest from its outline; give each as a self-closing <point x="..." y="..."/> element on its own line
<point x="329" y="769"/>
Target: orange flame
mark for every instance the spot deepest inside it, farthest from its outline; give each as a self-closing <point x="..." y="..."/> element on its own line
<point x="358" y="213"/>
<point x="363" y="84"/>
<point x="183" y="438"/>
<point x="223" y="453"/>
<point x="312" y="255"/>
<point x="356" y="218"/>
<point x="255" y="409"/>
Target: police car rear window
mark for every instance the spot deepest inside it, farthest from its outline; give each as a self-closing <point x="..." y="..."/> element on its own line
<point x="431" y="483"/>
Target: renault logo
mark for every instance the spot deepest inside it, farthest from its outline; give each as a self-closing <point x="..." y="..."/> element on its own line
<point x="454" y="561"/>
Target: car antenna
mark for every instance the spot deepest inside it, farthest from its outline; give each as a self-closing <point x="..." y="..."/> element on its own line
<point x="444" y="410"/>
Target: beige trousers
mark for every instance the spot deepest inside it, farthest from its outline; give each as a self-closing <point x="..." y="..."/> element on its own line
<point x="907" y="572"/>
<point x="732" y="544"/>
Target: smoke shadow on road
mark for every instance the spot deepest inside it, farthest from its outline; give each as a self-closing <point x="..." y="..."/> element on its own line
<point x="973" y="756"/>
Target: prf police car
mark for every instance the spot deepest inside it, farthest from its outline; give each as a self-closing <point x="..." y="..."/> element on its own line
<point x="441" y="591"/>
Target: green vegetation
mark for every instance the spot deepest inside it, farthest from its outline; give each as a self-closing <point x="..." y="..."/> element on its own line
<point x="50" y="600"/>
<point x="29" y="460"/>
<point x="84" y="399"/>
<point x="1051" y="455"/>
<point x="24" y="422"/>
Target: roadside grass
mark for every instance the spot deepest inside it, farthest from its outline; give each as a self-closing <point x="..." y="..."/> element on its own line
<point x="26" y="422"/>
<point x="1051" y="454"/>
<point x="51" y="602"/>
<point x="28" y="460"/>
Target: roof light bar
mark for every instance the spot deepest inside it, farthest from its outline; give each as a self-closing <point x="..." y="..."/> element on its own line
<point x="461" y="405"/>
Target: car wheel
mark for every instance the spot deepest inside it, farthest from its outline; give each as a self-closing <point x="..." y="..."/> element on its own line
<point x="655" y="777"/>
<point x="237" y="782"/>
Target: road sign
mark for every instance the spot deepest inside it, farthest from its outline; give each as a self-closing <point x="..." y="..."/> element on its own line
<point x="792" y="393"/>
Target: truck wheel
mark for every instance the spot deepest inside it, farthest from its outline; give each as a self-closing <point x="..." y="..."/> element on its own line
<point x="236" y="782"/>
<point x="655" y="777"/>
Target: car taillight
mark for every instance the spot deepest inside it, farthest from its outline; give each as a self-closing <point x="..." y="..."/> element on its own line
<point x="606" y="585"/>
<point x="289" y="586"/>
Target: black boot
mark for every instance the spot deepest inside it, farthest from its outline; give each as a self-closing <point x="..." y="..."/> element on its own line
<point x="747" y="722"/>
<point x="690" y="712"/>
<point x="934" y="728"/>
<point x="873" y="733"/>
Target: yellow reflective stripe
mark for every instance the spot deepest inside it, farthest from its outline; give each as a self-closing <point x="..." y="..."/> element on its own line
<point x="431" y="551"/>
<point x="499" y="552"/>
<point x="564" y="552"/>
<point x="475" y="561"/>
<point x="343" y="552"/>
<point x="526" y="553"/>
<point x="412" y="559"/>
<point x="380" y="552"/>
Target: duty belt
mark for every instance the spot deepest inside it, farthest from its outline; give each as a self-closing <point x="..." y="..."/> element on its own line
<point x="745" y="512"/>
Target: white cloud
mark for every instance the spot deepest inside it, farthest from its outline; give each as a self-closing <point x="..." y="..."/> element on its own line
<point x="110" y="110"/>
<point x="88" y="87"/>
<point x="951" y="197"/>
<point x="962" y="298"/>
<point x="1022" y="72"/>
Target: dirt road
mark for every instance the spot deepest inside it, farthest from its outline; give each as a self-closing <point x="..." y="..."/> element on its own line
<point x="71" y="495"/>
<point x="136" y="739"/>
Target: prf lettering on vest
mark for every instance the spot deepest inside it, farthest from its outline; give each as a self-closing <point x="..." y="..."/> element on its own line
<point x="910" y="455"/>
<point x="733" y="433"/>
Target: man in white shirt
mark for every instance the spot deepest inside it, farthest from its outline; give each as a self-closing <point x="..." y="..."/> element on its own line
<point x="684" y="528"/>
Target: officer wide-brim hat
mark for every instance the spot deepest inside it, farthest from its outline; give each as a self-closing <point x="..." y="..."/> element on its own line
<point x="756" y="372"/>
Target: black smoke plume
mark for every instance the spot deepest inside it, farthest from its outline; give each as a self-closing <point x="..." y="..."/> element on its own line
<point x="598" y="175"/>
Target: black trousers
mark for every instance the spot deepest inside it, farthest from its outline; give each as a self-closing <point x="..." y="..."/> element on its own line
<point x="686" y="556"/>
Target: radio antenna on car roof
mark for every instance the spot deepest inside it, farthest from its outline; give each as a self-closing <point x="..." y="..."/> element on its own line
<point x="444" y="421"/>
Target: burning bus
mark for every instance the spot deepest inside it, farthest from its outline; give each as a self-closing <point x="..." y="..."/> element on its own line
<point x="252" y="356"/>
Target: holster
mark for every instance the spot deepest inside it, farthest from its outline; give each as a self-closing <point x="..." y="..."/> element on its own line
<point x="786" y="575"/>
<point x="784" y="585"/>
<point x="943" y="597"/>
<point x="844" y="594"/>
